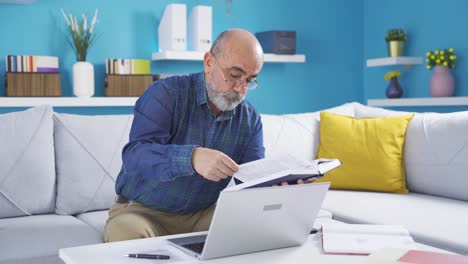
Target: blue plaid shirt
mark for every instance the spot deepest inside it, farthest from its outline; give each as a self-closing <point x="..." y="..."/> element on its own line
<point x="172" y="118"/>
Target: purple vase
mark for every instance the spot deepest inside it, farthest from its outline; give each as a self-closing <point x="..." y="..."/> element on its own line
<point x="442" y="82"/>
<point x="394" y="89"/>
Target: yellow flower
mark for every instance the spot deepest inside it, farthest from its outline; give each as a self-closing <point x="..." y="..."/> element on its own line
<point x="437" y="52"/>
<point x="437" y="61"/>
<point x="428" y="53"/>
<point x="392" y="74"/>
<point x="432" y="57"/>
<point x="442" y="52"/>
<point x="445" y="64"/>
<point x="452" y="57"/>
<point x="451" y="50"/>
<point x="442" y="58"/>
<point x="428" y="67"/>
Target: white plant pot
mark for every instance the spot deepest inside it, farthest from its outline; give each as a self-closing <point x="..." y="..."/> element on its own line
<point x="83" y="79"/>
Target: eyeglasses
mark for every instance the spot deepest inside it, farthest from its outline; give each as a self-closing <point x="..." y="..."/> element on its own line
<point x="234" y="81"/>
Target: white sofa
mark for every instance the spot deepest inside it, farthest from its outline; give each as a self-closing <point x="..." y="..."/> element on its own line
<point x="57" y="174"/>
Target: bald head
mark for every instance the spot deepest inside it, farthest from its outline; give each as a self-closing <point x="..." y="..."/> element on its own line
<point x="237" y="42"/>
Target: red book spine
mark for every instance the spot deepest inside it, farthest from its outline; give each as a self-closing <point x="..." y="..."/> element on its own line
<point x="31" y="69"/>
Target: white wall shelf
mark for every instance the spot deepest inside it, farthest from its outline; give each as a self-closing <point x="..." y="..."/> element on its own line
<point x="67" y="101"/>
<point x="198" y="56"/>
<point x="22" y="2"/>
<point x="430" y="101"/>
<point x="388" y="61"/>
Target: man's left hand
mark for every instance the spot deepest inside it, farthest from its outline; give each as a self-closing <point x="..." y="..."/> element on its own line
<point x="299" y="181"/>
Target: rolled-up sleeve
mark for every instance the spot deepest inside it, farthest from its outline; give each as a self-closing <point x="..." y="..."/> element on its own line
<point x="148" y="153"/>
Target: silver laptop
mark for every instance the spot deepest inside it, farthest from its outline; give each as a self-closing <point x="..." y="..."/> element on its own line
<point x="257" y="219"/>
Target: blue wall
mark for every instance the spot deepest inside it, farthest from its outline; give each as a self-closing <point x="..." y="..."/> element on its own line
<point x="329" y="33"/>
<point x="431" y="24"/>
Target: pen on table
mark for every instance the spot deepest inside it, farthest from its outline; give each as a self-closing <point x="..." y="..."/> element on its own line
<point x="148" y="256"/>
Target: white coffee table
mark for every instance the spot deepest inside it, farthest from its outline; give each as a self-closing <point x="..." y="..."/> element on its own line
<point x="310" y="252"/>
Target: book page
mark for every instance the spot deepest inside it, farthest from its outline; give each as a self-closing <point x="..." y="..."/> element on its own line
<point x="265" y="167"/>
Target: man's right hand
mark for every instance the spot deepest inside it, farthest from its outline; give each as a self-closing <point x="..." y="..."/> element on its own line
<point x="212" y="164"/>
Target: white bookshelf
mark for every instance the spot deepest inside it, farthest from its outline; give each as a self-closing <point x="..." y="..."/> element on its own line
<point x="67" y="101"/>
<point x="430" y="101"/>
<point x="297" y="58"/>
<point x="198" y="56"/>
<point x="178" y="55"/>
<point x="388" y="61"/>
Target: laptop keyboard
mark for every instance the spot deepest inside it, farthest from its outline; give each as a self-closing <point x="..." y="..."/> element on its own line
<point x="196" y="247"/>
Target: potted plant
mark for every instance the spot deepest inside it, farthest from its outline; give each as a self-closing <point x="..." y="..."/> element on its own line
<point x="441" y="83"/>
<point x="80" y="38"/>
<point x="395" y="39"/>
<point x="393" y="89"/>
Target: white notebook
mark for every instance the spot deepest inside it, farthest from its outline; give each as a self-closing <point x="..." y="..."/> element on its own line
<point x="363" y="239"/>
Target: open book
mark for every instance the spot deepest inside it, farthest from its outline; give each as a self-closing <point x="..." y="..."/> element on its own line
<point x="338" y="238"/>
<point x="267" y="172"/>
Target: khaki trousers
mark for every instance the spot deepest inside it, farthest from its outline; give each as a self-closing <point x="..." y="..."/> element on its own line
<point x="133" y="220"/>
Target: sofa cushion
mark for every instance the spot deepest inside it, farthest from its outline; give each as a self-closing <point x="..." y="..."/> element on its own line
<point x="27" y="168"/>
<point x="436" y="151"/>
<point x="296" y="135"/>
<point x="37" y="239"/>
<point x="437" y="155"/>
<point x="88" y="159"/>
<point x="95" y="219"/>
<point x="371" y="150"/>
<point x="362" y="111"/>
<point x="431" y="220"/>
<point x="293" y="135"/>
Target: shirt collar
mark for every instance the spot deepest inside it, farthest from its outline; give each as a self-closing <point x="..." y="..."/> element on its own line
<point x="202" y="98"/>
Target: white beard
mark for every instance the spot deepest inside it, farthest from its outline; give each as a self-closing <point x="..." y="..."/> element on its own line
<point x="224" y="101"/>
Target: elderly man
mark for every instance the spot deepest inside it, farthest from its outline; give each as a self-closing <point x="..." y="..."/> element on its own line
<point x="188" y="136"/>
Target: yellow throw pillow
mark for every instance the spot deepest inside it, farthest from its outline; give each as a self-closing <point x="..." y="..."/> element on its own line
<point x="371" y="150"/>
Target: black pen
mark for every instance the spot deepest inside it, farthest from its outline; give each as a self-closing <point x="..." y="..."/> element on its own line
<point x="148" y="256"/>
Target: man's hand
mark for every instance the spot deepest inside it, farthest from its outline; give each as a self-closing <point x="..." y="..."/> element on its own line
<point x="299" y="181"/>
<point x="212" y="164"/>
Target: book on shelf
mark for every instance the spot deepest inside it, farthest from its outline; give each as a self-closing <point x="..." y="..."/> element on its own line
<point x="127" y="66"/>
<point x="268" y="172"/>
<point x="361" y="239"/>
<point x="29" y="63"/>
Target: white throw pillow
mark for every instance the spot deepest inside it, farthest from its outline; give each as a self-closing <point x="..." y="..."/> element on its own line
<point x="27" y="168"/>
<point x="88" y="157"/>
<point x="436" y="151"/>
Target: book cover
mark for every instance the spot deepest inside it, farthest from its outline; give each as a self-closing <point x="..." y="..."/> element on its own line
<point x="47" y="69"/>
<point x="361" y="239"/>
<point x="140" y="66"/>
<point x="268" y="172"/>
<point x="429" y="257"/>
<point x="47" y="62"/>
